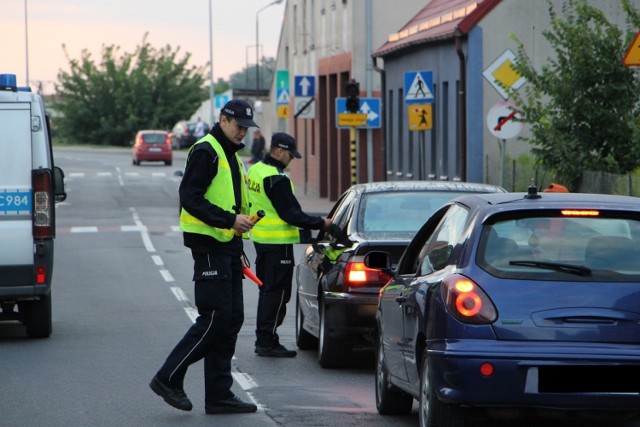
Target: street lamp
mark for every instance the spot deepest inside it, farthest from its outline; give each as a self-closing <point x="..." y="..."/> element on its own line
<point x="212" y="94"/>
<point x="26" y="39"/>
<point x="258" y="43"/>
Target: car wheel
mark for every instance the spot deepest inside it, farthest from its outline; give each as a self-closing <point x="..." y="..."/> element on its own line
<point x="432" y="412"/>
<point x="304" y="340"/>
<point x="390" y="400"/>
<point x="37" y="317"/>
<point x="167" y="162"/>
<point x="331" y="353"/>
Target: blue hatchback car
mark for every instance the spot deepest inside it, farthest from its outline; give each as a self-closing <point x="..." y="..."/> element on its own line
<point x="514" y="304"/>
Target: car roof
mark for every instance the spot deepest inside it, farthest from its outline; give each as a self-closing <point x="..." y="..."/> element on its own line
<point x="519" y="201"/>
<point x="385" y="186"/>
<point x="152" y="131"/>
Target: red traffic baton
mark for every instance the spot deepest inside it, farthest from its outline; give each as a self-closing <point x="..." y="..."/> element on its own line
<point x="251" y="275"/>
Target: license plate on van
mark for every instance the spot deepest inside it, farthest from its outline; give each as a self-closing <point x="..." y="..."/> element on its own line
<point x="15" y="201"/>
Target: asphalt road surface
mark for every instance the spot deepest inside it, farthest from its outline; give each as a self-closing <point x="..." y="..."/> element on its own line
<point x="122" y="298"/>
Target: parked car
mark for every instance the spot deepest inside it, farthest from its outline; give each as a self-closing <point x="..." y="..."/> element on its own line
<point x="336" y="296"/>
<point x="506" y="305"/>
<point x="183" y="134"/>
<point x="152" y="146"/>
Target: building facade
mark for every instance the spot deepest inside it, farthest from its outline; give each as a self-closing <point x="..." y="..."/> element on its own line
<point x="454" y="125"/>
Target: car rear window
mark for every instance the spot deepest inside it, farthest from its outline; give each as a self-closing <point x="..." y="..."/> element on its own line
<point x="154" y="138"/>
<point x="587" y="245"/>
<point x="400" y="211"/>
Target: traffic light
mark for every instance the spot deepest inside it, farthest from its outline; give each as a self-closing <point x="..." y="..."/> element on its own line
<point x="353" y="96"/>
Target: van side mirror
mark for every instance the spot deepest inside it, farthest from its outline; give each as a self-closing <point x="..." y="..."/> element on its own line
<point x="59" y="195"/>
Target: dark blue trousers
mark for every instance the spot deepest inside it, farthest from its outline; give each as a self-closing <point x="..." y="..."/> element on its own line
<point x="274" y="266"/>
<point x="218" y="295"/>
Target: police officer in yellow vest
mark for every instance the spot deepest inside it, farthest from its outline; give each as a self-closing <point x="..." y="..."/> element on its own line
<point x="271" y="190"/>
<point x="214" y="204"/>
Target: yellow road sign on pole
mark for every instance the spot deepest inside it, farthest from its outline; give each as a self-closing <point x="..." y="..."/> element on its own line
<point x="632" y="57"/>
<point x="352" y="119"/>
<point x="420" y="117"/>
<point x="283" y="111"/>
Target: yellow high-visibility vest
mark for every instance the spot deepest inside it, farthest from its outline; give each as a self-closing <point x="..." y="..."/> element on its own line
<point x="271" y="228"/>
<point x="220" y="193"/>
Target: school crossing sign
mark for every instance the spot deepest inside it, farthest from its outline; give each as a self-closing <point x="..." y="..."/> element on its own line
<point x="418" y="87"/>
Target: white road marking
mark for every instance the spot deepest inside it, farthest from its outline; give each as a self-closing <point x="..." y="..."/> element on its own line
<point x="192" y="313"/>
<point x="166" y="275"/>
<point x="84" y="229"/>
<point x="157" y="260"/>
<point x="179" y="294"/>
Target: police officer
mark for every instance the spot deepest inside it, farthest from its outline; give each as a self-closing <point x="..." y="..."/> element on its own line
<point x="214" y="201"/>
<point x="271" y="190"/>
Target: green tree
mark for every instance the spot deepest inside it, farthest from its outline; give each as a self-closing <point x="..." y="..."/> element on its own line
<point x="582" y="106"/>
<point x="107" y="103"/>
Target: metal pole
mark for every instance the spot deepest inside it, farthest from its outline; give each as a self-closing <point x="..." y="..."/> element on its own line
<point x="212" y="96"/>
<point x="257" y="54"/>
<point x="26" y="39"/>
<point x="258" y="44"/>
<point x="369" y="84"/>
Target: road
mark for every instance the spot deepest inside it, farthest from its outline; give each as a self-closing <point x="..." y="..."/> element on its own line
<point x="122" y="298"/>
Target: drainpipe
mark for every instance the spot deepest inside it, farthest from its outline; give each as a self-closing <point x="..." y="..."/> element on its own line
<point x="383" y="103"/>
<point x="462" y="107"/>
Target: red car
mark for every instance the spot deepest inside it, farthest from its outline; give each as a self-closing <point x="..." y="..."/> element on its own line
<point x="152" y="146"/>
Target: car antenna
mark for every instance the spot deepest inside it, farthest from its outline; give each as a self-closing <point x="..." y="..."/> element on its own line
<point x="532" y="192"/>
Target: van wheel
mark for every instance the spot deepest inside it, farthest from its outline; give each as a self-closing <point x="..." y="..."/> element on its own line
<point x="331" y="352"/>
<point x="37" y="317"/>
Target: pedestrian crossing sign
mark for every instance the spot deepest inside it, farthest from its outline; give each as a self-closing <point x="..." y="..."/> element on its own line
<point x="420" y="117"/>
<point x="418" y="87"/>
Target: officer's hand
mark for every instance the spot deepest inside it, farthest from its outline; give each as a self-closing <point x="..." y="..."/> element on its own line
<point x="327" y="223"/>
<point x="242" y="223"/>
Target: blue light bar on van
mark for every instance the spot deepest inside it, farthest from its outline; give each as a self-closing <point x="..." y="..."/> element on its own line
<point x="8" y="82"/>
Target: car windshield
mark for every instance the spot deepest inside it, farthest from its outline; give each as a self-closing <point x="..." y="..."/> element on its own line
<point x="579" y="245"/>
<point x="399" y="211"/>
<point x="154" y="138"/>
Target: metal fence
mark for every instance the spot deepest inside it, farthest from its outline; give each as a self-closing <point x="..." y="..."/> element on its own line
<point x="520" y="174"/>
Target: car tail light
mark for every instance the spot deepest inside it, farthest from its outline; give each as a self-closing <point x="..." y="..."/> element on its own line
<point x="466" y="301"/>
<point x="167" y="140"/>
<point x="357" y="274"/>
<point x="42" y="204"/>
<point x="41" y="275"/>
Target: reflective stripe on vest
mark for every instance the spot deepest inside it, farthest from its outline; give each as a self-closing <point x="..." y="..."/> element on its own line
<point x="220" y="193"/>
<point x="271" y="228"/>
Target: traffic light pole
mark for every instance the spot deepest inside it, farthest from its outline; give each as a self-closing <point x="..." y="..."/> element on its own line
<point x="354" y="163"/>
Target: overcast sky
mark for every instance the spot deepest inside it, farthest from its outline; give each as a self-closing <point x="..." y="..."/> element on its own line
<point x="90" y="24"/>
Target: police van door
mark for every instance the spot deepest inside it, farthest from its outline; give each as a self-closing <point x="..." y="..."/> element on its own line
<point x="16" y="236"/>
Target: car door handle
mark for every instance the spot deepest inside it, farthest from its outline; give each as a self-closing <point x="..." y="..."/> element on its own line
<point x="401" y="299"/>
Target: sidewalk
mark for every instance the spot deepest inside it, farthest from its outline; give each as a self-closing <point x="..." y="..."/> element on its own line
<point x="314" y="205"/>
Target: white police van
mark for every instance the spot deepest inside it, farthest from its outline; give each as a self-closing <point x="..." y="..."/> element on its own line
<point x="29" y="187"/>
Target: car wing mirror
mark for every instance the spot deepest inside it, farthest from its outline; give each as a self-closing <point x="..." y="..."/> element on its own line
<point x="380" y="260"/>
<point x="59" y="194"/>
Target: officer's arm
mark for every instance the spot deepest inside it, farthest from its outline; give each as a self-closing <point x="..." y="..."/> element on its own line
<point x="201" y="168"/>
<point x="289" y="210"/>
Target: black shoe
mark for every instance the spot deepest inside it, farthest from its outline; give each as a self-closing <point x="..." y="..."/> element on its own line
<point x="175" y="397"/>
<point x="275" y="351"/>
<point x="232" y="405"/>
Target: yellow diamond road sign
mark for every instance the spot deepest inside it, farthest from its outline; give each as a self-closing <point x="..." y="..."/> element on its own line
<point x="501" y="74"/>
<point x="632" y="57"/>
